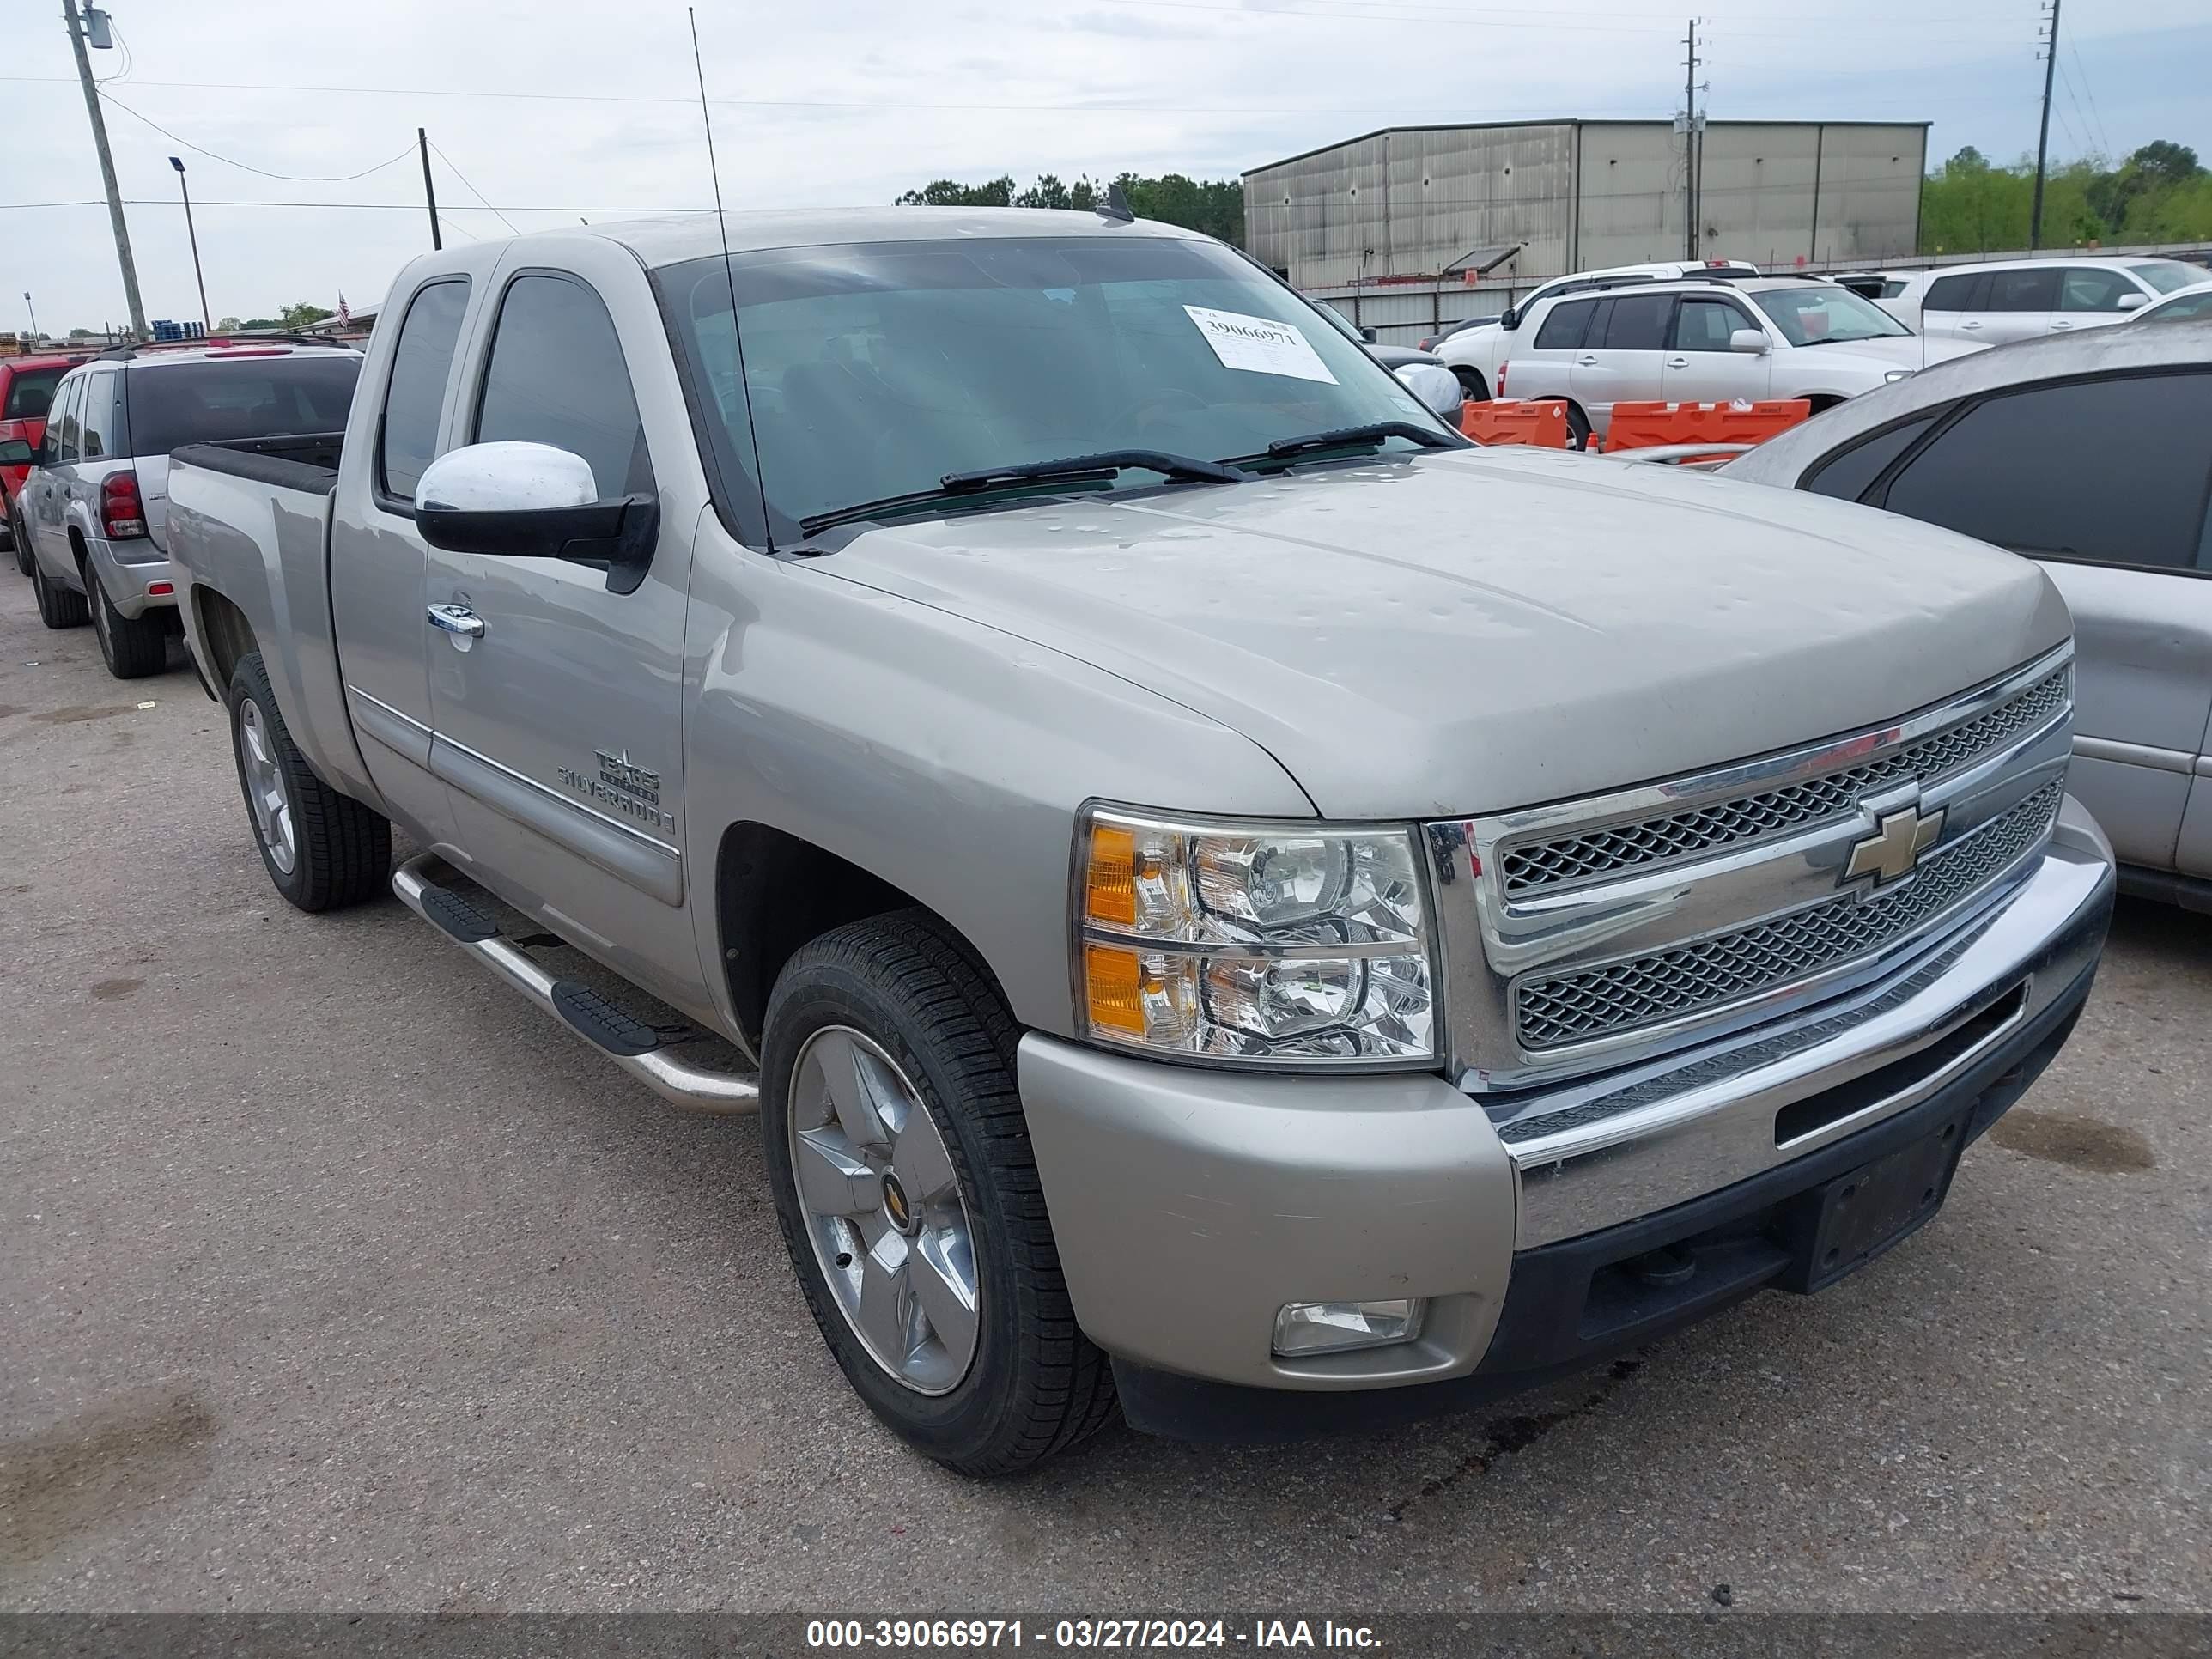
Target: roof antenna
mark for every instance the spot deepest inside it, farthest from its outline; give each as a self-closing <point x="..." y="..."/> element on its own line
<point x="737" y="344"/>
<point x="1116" y="206"/>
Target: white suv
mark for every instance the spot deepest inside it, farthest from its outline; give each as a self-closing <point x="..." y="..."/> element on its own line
<point x="2009" y="299"/>
<point x="1709" y="341"/>
<point x="1474" y="354"/>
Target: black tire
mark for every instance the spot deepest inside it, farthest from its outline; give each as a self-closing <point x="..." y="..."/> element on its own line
<point x="1036" y="1385"/>
<point x="58" y="607"/>
<point x="131" y="646"/>
<point x="1578" y="429"/>
<point x="21" y="537"/>
<point x="1472" y="385"/>
<point x="340" y="849"/>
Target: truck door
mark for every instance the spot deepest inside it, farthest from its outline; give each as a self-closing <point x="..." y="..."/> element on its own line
<point x="557" y="702"/>
<point x="1703" y="368"/>
<point x="377" y="555"/>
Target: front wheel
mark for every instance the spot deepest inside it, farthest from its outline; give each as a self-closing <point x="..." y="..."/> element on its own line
<point x="1472" y="385"/>
<point x="58" y="607"/>
<point x="19" y="535"/>
<point x="321" y="849"/>
<point x="909" y="1201"/>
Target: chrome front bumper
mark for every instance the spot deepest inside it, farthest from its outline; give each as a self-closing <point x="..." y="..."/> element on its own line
<point x="1190" y="1204"/>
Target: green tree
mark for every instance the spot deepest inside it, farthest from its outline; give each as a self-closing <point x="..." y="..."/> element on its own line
<point x="251" y="323"/>
<point x="229" y="326"/>
<point x="301" y="315"/>
<point x="1217" y="208"/>
<point x="2161" y="193"/>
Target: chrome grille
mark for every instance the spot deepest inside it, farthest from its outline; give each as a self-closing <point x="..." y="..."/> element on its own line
<point x="1680" y="834"/>
<point x="1698" y="978"/>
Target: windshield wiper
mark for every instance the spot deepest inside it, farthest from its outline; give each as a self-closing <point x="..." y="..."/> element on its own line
<point x="1344" y="437"/>
<point x="1095" y="469"/>
<point x="1185" y="469"/>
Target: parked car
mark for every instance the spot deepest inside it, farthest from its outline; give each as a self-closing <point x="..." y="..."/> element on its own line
<point x="2009" y="299"/>
<point x="2093" y="456"/>
<point x="93" y="511"/>
<point x="1440" y="390"/>
<point x="2186" y="305"/>
<point x="1875" y="284"/>
<point x="1448" y="329"/>
<point x="1708" y="341"/>
<point x="27" y="386"/>
<point x="1474" y="354"/>
<point x="1222" y="892"/>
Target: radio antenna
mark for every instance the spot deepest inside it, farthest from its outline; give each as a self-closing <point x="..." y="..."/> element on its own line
<point x="722" y="224"/>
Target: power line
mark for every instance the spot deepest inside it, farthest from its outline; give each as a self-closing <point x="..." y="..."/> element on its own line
<point x="247" y="166"/>
<point x="2081" y="70"/>
<point x="473" y="190"/>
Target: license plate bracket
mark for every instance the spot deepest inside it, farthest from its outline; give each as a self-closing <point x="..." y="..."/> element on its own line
<point x="1837" y="1227"/>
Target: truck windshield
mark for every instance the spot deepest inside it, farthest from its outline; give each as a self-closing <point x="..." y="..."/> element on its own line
<point x="210" y="401"/>
<point x="877" y="370"/>
<point x="1823" y="315"/>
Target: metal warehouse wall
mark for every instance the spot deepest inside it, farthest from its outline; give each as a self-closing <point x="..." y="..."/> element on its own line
<point x="1582" y="195"/>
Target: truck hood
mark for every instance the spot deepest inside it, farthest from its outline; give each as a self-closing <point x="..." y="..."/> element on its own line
<point x="1477" y="631"/>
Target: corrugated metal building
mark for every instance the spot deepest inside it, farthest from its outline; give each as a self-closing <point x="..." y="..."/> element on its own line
<point x="1414" y="202"/>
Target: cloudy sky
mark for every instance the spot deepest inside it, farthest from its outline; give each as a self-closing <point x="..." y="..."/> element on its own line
<point x="555" y="109"/>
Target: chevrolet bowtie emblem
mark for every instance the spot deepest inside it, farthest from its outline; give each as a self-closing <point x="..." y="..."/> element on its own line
<point x="1890" y="854"/>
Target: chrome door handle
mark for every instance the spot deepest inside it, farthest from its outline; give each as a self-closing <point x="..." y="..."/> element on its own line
<point x="458" y="619"/>
<point x="1678" y="362"/>
<point x="1585" y="362"/>
<point x="1970" y="325"/>
<point x="2062" y="325"/>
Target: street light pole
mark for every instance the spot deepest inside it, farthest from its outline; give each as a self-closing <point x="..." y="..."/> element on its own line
<point x="206" y="321"/>
<point x="34" y="310"/>
<point x="106" y="170"/>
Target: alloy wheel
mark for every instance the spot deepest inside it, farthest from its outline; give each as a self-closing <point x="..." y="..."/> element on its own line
<point x="265" y="793"/>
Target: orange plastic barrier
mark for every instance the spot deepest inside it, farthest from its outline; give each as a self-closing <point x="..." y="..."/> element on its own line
<point x="1642" y="426"/>
<point x="1541" y="422"/>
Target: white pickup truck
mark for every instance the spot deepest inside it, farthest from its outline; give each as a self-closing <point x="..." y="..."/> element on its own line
<point x="1198" y="925"/>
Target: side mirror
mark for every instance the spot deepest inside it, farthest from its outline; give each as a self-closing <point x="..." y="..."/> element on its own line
<point x="1437" y="388"/>
<point x="2134" y="301"/>
<point x="1367" y="336"/>
<point x="522" y="500"/>
<point x="15" y="451"/>
<point x="1510" y="318"/>
<point x="1749" y="341"/>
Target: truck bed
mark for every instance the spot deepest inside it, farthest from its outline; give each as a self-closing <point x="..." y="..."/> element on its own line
<point x="301" y="460"/>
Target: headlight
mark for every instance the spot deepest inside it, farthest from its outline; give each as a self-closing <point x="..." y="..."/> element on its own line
<point x="1891" y="377"/>
<point x="1255" y="943"/>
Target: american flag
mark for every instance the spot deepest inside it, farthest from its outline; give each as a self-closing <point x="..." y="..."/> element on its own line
<point x="345" y="310"/>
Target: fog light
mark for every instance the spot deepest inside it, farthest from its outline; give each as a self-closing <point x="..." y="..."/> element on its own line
<point x="1303" y="1328"/>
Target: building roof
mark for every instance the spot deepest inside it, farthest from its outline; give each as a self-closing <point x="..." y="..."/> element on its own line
<point x="1560" y="121"/>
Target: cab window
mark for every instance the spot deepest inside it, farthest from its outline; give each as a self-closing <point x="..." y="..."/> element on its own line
<point x="407" y="436"/>
<point x="557" y="376"/>
<point x="1706" y="325"/>
<point x="2086" y="288"/>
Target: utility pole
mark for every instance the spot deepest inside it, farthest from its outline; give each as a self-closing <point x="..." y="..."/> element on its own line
<point x="206" y="321"/>
<point x="2049" y="55"/>
<point x="106" y="170"/>
<point x="1691" y="208"/>
<point x="34" y="310"/>
<point x="429" y="190"/>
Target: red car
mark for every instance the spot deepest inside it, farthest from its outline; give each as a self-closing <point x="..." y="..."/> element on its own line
<point x="27" y="386"/>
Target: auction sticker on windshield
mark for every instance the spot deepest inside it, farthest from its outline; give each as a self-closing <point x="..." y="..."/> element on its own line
<point x="1260" y="345"/>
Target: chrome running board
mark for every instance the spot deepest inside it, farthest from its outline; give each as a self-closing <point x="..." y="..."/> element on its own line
<point x="631" y="1044"/>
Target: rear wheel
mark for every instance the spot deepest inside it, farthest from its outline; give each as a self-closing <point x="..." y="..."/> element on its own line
<point x="909" y="1198"/>
<point x="19" y="537"/>
<point x="1578" y="429"/>
<point x="322" y="849"/>
<point x="132" y="646"/>
<point x="1472" y="385"/>
<point x="58" y="607"/>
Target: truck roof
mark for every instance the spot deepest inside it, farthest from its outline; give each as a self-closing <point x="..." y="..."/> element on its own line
<point x="674" y="240"/>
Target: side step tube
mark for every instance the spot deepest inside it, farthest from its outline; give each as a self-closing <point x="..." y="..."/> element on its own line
<point x="680" y="1084"/>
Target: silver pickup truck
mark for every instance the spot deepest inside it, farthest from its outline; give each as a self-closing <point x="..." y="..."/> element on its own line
<point x="1015" y="699"/>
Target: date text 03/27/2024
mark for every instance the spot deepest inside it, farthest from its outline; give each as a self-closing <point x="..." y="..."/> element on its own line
<point x="1262" y="1634"/>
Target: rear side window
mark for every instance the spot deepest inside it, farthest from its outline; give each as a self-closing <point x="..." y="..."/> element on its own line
<point x="1562" y="329"/>
<point x="96" y="433"/>
<point x="422" y="362"/>
<point x="2084" y="288"/>
<point x="31" y="393"/>
<point x="2012" y="471"/>
<point x="1953" y="293"/>
<point x="2023" y="290"/>
<point x="557" y="376"/>
<point x="218" y="399"/>
<point x="1639" y="322"/>
<point x="1846" y="474"/>
<point x="1892" y="288"/>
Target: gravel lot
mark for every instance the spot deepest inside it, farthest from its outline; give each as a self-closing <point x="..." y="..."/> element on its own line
<point x="336" y="1277"/>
